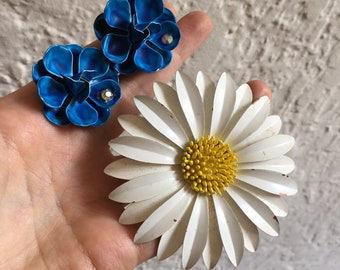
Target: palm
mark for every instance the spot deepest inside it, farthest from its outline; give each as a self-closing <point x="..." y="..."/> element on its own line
<point x="62" y="210"/>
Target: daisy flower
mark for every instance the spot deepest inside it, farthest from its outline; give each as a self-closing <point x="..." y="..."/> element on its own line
<point x="206" y="169"/>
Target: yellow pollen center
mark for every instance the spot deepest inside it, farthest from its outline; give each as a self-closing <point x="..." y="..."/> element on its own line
<point x="209" y="165"/>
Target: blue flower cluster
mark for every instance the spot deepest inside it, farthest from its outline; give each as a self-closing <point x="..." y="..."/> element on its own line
<point x="80" y="85"/>
<point x="77" y="85"/>
<point x="137" y="34"/>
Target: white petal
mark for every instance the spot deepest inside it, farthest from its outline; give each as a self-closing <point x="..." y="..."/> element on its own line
<point x="224" y="101"/>
<point x="146" y="187"/>
<point x="283" y="165"/>
<point x="213" y="248"/>
<point x="137" y="212"/>
<point x="168" y="97"/>
<point x="191" y="103"/>
<point x="271" y="182"/>
<point x="249" y="230"/>
<point x="164" y="217"/>
<point x="173" y="238"/>
<point x="255" y="210"/>
<point x="127" y="169"/>
<point x="266" y="149"/>
<point x="162" y="120"/>
<point x="251" y="120"/>
<point x="145" y="150"/>
<point x="138" y="126"/>
<point x="196" y="235"/>
<point x="244" y="97"/>
<point x="207" y="89"/>
<point x="274" y="202"/>
<point x="230" y="230"/>
<point x="113" y="152"/>
<point x="270" y="127"/>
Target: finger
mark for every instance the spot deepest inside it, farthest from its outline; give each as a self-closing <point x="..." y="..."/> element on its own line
<point x="260" y="89"/>
<point x="195" y="28"/>
<point x="171" y="7"/>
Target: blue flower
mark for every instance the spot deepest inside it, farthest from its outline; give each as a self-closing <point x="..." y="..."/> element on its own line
<point x="137" y="34"/>
<point x="76" y="85"/>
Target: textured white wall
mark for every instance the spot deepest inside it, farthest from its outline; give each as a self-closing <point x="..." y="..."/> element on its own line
<point x="293" y="45"/>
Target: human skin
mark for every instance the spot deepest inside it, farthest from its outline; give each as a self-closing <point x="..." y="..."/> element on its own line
<point x="54" y="210"/>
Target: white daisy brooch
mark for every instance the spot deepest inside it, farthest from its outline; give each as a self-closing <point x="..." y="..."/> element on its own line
<point x="205" y="169"/>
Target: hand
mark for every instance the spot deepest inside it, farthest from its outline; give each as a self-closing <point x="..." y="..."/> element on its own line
<point x="55" y="212"/>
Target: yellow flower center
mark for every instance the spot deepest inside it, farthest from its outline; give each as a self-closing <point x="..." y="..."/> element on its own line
<point x="209" y="165"/>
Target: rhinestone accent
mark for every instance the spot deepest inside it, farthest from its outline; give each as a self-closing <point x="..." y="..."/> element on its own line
<point x="167" y="39"/>
<point x="106" y="95"/>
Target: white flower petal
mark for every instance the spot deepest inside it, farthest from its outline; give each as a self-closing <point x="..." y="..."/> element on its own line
<point x="173" y="238"/>
<point x="255" y="210"/>
<point x="270" y="127"/>
<point x="251" y="120"/>
<point x="164" y="217"/>
<point x="230" y="230"/>
<point x="145" y="150"/>
<point x="283" y="165"/>
<point x="145" y="187"/>
<point x="266" y="149"/>
<point x="168" y="97"/>
<point x="271" y="182"/>
<point x="213" y="248"/>
<point x="196" y="235"/>
<point x="162" y="120"/>
<point x="138" y="126"/>
<point x="249" y="230"/>
<point x="191" y="103"/>
<point x="223" y="104"/>
<point x="274" y="202"/>
<point x="127" y="169"/>
<point x="137" y="212"/>
<point x="207" y="89"/>
<point x="244" y="97"/>
<point x="113" y="152"/>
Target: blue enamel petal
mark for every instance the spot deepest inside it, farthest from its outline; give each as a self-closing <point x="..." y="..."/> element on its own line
<point x="116" y="47"/>
<point x="38" y="70"/>
<point x="168" y="37"/>
<point x="81" y="114"/>
<point x="167" y="56"/>
<point x="118" y="14"/>
<point x="56" y="116"/>
<point x="103" y="115"/>
<point x="96" y="93"/>
<point x="58" y="60"/>
<point x="110" y="74"/>
<point x="101" y="28"/>
<point x="76" y="50"/>
<point x="148" y="10"/>
<point x="52" y="93"/>
<point x="148" y="59"/>
<point x="92" y="59"/>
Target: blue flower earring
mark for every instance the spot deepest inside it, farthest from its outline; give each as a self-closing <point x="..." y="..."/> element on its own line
<point x="80" y="85"/>
<point x="76" y="85"/>
<point x="137" y="34"/>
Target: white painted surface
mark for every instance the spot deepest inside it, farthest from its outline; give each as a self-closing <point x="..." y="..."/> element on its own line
<point x="293" y="45"/>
